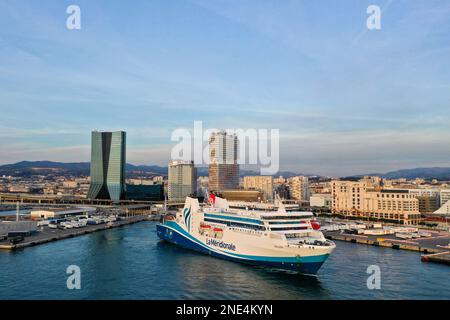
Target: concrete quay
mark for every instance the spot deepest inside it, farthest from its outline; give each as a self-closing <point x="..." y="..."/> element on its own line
<point x="48" y="235"/>
<point x="441" y="257"/>
<point x="435" y="248"/>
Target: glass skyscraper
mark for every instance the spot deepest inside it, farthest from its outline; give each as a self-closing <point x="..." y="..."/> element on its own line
<point x="108" y="166"/>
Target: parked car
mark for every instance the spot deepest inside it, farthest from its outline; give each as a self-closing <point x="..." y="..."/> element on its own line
<point x="15" y="240"/>
<point x="66" y="225"/>
<point x="43" y="223"/>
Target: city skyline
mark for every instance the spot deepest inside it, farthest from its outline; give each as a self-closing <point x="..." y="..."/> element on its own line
<point x="347" y="100"/>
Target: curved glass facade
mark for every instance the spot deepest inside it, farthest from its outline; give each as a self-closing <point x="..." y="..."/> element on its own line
<point x="108" y="165"/>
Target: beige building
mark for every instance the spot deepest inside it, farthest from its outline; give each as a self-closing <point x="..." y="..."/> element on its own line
<point x="70" y="184"/>
<point x="140" y="182"/>
<point x="363" y="199"/>
<point x="158" y="179"/>
<point x="299" y="188"/>
<point x="321" y="200"/>
<point x="347" y="197"/>
<point x="280" y="180"/>
<point x="392" y="204"/>
<point x="182" y="180"/>
<point x="373" y="181"/>
<point x="60" y="213"/>
<point x="261" y="183"/>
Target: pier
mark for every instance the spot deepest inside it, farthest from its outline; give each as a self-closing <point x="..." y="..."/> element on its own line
<point x="435" y="248"/>
<point x="441" y="257"/>
<point x="48" y="235"/>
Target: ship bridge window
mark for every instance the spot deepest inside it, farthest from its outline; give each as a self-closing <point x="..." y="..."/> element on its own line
<point x="285" y="217"/>
<point x="293" y="235"/>
<point x="288" y="228"/>
<point x="236" y="224"/>
<point x="240" y="219"/>
<point x="286" y="222"/>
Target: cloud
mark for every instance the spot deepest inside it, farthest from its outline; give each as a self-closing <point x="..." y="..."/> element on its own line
<point x="152" y="67"/>
<point x="363" y="152"/>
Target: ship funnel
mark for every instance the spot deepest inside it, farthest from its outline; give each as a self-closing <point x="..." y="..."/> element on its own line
<point x="218" y="202"/>
<point x="192" y="204"/>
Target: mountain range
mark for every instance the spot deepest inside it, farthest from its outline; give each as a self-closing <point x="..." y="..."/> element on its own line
<point x="439" y="173"/>
<point x="29" y="168"/>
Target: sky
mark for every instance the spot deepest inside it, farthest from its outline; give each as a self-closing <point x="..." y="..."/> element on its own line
<point x="347" y="100"/>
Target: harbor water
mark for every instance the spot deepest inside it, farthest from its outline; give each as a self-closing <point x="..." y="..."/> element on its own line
<point x="14" y="212"/>
<point x="132" y="263"/>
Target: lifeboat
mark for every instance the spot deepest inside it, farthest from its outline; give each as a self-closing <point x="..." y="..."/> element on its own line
<point x="169" y="218"/>
<point x="205" y="226"/>
<point x="218" y="230"/>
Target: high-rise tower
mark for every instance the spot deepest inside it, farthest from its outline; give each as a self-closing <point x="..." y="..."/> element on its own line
<point x="182" y="180"/>
<point x="108" y="159"/>
<point x="223" y="166"/>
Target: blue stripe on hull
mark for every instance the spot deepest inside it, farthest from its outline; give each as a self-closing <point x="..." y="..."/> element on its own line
<point x="305" y="267"/>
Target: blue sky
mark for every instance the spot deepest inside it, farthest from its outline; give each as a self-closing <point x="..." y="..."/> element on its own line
<point x="346" y="100"/>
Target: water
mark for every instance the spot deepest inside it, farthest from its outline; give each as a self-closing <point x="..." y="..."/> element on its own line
<point x="131" y="263"/>
<point x="13" y="212"/>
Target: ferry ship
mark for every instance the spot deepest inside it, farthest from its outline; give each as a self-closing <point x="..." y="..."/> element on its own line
<point x="275" y="239"/>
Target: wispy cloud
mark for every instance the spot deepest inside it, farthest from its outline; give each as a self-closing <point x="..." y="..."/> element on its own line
<point x="153" y="67"/>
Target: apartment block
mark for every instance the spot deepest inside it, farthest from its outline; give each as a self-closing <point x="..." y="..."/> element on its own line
<point x="261" y="183"/>
<point x="299" y="188"/>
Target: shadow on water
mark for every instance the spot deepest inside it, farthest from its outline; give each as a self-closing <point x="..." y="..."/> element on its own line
<point x="238" y="280"/>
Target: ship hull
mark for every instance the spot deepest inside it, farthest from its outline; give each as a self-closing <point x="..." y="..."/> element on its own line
<point x="304" y="265"/>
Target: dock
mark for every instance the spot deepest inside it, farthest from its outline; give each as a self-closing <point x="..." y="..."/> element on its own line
<point x="441" y="257"/>
<point x="425" y="245"/>
<point x="49" y="235"/>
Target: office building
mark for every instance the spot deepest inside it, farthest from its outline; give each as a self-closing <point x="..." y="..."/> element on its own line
<point x="223" y="167"/>
<point x="145" y="192"/>
<point x="108" y="159"/>
<point x="428" y="199"/>
<point x="283" y="191"/>
<point x="182" y="180"/>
